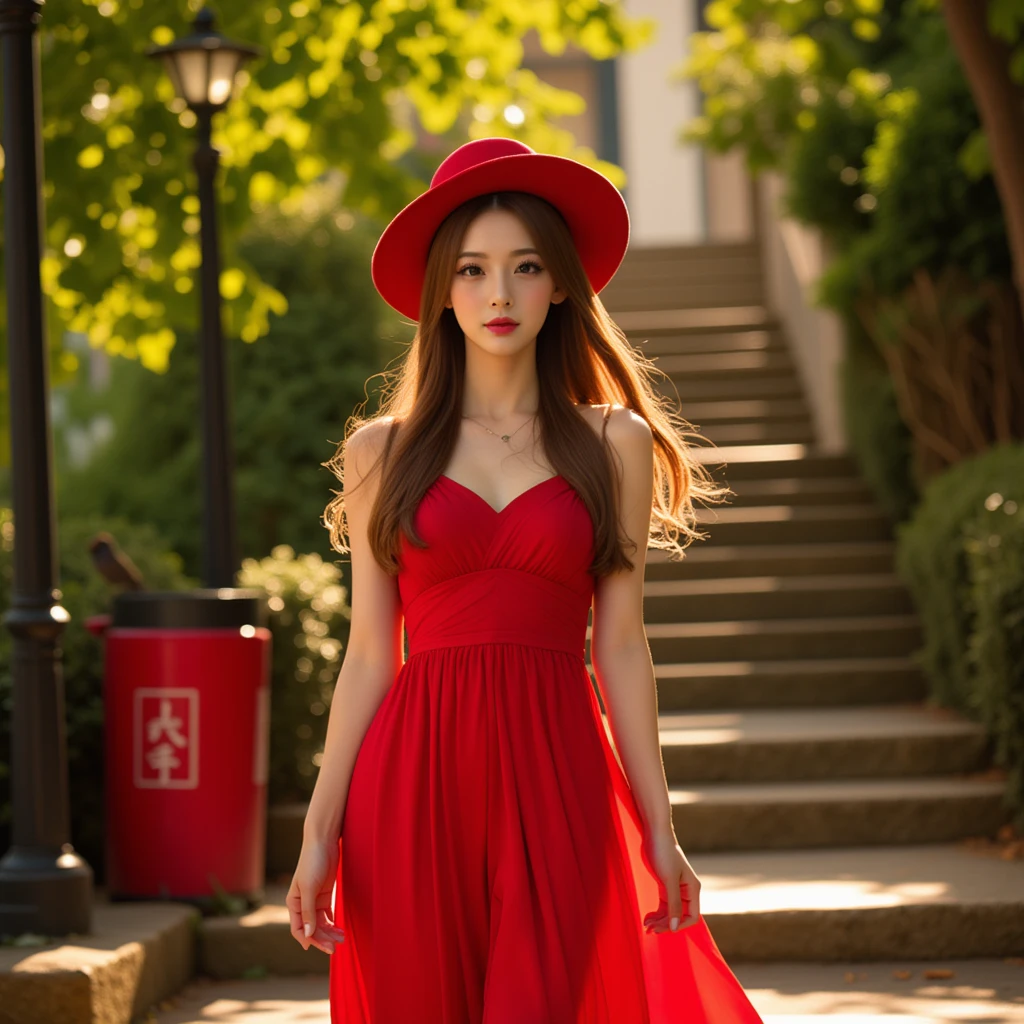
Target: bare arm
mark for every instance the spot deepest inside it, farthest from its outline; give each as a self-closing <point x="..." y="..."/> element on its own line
<point x="619" y="650"/>
<point x="374" y="653"/>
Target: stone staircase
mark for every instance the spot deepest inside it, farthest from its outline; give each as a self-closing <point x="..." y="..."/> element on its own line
<point x="831" y="813"/>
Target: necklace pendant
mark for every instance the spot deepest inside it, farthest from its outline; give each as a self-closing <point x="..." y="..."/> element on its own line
<point x="505" y="437"/>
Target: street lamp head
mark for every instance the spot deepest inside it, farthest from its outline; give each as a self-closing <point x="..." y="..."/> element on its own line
<point x="203" y="66"/>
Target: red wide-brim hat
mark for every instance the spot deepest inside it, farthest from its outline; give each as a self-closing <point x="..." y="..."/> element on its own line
<point x="591" y="205"/>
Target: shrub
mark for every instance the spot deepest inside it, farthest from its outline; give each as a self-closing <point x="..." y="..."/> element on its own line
<point x="879" y="440"/>
<point x="932" y="559"/>
<point x="994" y="543"/>
<point x="309" y="620"/>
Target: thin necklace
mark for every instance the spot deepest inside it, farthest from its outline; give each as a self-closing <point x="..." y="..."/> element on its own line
<point x="505" y="437"/>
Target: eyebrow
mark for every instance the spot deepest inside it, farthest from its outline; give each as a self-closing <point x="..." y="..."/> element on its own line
<point x="515" y="252"/>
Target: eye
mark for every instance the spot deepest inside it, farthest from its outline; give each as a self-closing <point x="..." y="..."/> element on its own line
<point x="526" y="263"/>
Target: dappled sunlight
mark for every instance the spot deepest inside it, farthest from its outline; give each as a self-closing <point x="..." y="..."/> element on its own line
<point x="746" y="895"/>
<point x="699" y="737"/>
<point x="272" y="1000"/>
<point x="749" y="452"/>
<point x="980" y="991"/>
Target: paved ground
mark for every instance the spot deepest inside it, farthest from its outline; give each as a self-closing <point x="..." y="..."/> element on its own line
<point x="976" y="992"/>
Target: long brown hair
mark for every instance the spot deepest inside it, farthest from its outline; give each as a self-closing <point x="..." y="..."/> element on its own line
<point x="582" y="357"/>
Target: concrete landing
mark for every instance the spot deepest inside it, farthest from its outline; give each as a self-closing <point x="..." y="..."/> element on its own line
<point x="893" y="992"/>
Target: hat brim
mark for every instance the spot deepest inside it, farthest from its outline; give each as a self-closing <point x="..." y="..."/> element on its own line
<point x="591" y="205"/>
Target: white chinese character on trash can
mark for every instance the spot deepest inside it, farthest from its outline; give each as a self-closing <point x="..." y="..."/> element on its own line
<point x="166" y="738"/>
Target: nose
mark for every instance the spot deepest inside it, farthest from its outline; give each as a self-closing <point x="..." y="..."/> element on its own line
<point x="502" y="292"/>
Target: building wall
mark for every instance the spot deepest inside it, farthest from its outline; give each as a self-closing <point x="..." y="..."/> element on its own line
<point x="676" y="193"/>
<point x="665" y="190"/>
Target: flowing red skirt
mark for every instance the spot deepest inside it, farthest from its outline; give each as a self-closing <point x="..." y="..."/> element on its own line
<point x="490" y="861"/>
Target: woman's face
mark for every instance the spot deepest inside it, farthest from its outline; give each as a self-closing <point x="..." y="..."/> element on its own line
<point x="500" y="274"/>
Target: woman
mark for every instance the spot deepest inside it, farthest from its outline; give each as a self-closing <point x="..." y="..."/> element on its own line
<point x="489" y="860"/>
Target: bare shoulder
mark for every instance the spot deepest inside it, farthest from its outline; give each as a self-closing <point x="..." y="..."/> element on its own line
<point x="628" y="433"/>
<point x="364" y="447"/>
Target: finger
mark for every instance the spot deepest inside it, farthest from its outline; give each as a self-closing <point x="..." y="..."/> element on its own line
<point x="692" y="908"/>
<point x="294" y="903"/>
<point x="324" y="945"/>
<point x="675" y="905"/>
<point x="308" y="913"/>
<point x="657" y="920"/>
<point x="326" y="927"/>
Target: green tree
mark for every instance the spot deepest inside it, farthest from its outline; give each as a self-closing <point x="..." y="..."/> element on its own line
<point x="292" y="393"/>
<point x="339" y="89"/>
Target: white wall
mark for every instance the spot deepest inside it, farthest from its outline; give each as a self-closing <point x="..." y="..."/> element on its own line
<point x="665" y="186"/>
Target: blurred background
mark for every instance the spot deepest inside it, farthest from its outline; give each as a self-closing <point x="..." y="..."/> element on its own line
<point x="826" y="261"/>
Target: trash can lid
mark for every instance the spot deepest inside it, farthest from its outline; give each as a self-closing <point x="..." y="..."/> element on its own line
<point x="212" y="608"/>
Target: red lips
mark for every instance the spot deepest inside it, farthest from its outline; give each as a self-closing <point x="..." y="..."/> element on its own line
<point x="499" y="321"/>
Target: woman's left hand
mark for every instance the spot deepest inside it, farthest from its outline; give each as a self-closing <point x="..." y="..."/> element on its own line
<point x="666" y="859"/>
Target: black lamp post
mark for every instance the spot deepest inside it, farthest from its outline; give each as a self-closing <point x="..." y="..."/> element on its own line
<point x="45" y="887"/>
<point x="203" y="67"/>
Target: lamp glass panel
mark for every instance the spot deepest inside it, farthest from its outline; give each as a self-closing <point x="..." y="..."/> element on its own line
<point x="223" y="66"/>
<point x="194" y="72"/>
<point x="171" y="67"/>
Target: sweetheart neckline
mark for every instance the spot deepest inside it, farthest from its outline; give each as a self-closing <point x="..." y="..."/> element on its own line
<point x="504" y="508"/>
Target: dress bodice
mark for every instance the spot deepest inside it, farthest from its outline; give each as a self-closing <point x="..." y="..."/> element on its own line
<point x="515" y="575"/>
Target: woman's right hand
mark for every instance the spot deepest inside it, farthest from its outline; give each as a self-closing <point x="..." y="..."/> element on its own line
<point x="309" y="896"/>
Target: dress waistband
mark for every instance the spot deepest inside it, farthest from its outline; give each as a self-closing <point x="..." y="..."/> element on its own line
<point x="498" y="605"/>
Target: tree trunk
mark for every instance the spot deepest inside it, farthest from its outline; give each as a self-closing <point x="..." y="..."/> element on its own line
<point x="1000" y="102"/>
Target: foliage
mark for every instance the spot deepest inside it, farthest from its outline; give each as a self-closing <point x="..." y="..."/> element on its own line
<point x="878" y="138"/>
<point x="339" y="89"/>
<point x="823" y="169"/>
<point x="929" y="209"/>
<point x="879" y="440"/>
<point x="932" y="560"/>
<point x="291" y="395"/>
<point x="83" y="593"/>
<point x="309" y="621"/>
<point x="994" y="542"/>
<point x="766" y="67"/>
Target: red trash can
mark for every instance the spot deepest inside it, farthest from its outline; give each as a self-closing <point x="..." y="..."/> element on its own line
<point x="187" y="735"/>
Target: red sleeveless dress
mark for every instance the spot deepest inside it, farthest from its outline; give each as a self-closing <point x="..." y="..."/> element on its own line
<point x="490" y="868"/>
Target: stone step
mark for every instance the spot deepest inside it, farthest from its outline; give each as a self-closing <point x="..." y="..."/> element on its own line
<point x="754" y="338"/>
<point x="749" y="339"/>
<point x="871" y="902"/>
<point x="836" y="812"/>
<point x="707" y="261"/>
<point x="693" y="686"/>
<point x="792" y="524"/>
<point x="704" y="561"/>
<point x="784" y="432"/>
<point x="775" y="597"/>
<point x="797" y="744"/>
<point x="812" y="491"/>
<point x="979" y="990"/>
<point x="638" y="323"/>
<point x="929" y="990"/>
<point x="672" y="294"/>
<point x="781" y="410"/>
<point x="136" y="955"/>
<point x="686" y="257"/>
<point x="763" y="639"/>
<point x="729" y="387"/>
<point x="740" y="365"/>
<point x="775" y="461"/>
